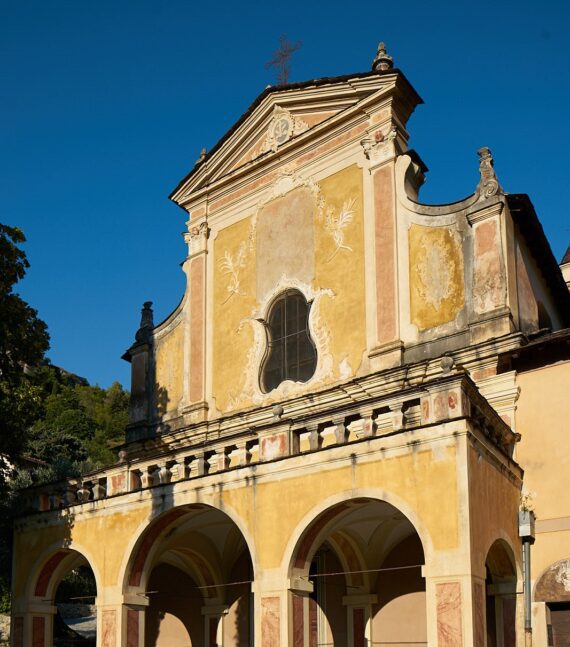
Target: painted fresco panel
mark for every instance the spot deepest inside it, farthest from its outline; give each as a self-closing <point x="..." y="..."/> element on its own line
<point x="437" y="290"/>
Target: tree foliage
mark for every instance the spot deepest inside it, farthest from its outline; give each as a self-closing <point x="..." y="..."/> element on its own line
<point x="24" y="341"/>
<point x="46" y="414"/>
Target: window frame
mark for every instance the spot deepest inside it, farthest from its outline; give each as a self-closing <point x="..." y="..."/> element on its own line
<point x="289" y="371"/>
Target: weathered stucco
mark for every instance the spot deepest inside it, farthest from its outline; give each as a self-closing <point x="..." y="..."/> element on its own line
<point x="437" y="285"/>
<point x="310" y="238"/>
<point x="169" y="362"/>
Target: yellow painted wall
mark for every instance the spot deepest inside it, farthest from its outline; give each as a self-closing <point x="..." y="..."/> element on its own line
<point x="415" y="478"/>
<point x="234" y="301"/>
<point x="543" y="420"/>
<point x="342" y="270"/>
<point x="169" y="357"/>
<point x="336" y="249"/>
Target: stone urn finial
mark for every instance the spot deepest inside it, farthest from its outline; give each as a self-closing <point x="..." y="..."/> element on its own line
<point x="382" y="61"/>
<point x="147" y="323"/>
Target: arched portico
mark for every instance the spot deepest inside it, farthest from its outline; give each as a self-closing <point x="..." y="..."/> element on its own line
<point x="356" y="573"/>
<point x="188" y="581"/>
<point x="37" y="622"/>
<point x="500" y="595"/>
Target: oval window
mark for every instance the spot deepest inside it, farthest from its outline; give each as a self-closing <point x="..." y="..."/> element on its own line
<point x="291" y="353"/>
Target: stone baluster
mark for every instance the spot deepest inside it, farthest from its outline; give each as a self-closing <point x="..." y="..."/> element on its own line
<point x="223" y="458"/>
<point x="315" y="436"/>
<point x="199" y="465"/>
<point x="84" y="493"/>
<point x="164" y="474"/>
<point x="176" y="471"/>
<point x="100" y="489"/>
<point x="211" y="462"/>
<point x="340" y="430"/>
<point x="243" y="454"/>
<point x="368" y="423"/>
<point x="398" y="416"/>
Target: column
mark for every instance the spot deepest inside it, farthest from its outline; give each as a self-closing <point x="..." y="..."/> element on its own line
<point x="359" y="615"/>
<point x="214" y="624"/>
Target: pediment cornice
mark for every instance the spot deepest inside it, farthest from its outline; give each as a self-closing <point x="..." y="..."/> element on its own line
<point x="300" y="115"/>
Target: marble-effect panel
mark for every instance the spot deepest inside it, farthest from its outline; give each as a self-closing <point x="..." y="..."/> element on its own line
<point x="449" y="625"/>
<point x="270" y="622"/>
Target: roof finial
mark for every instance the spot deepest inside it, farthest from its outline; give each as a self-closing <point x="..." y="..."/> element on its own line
<point x="202" y="156"/>
<point x="383" y="61"/>
<point x="489" y="184"/>
<point x="144" y="332"/>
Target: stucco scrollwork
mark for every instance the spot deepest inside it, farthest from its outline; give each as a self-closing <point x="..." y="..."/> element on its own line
<point x="196" y="237"/>
<point x="489" y="184"/>
<point x="282" y="127"/>
<point x="251" y="389"/>
<point x="380" y="146"/>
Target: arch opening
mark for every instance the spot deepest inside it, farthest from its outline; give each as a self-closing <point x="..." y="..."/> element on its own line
<point x="500" y="596"/>
<point x="357" y="578"/>
<point x="66" y="583"/>
<point x="553" y="590"/>
<point x="194" y="567"/>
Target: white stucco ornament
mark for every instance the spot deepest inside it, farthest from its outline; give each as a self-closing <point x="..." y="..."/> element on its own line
<point x="563" y="573"/>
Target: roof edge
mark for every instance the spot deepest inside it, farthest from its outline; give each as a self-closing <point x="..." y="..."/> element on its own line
<point x="272" y="89"/>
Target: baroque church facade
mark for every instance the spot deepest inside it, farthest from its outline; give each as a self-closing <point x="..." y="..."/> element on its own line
<point x="336" y="436"/>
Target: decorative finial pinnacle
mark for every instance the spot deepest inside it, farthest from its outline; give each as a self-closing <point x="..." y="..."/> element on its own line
<point x="147" y="323"/>
<point x="202" y="156"/>
<point x="382" y="61"/>
<point x="489" y="184"/>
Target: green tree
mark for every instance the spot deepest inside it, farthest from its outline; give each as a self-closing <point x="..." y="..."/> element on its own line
<point x="24" y="341"/>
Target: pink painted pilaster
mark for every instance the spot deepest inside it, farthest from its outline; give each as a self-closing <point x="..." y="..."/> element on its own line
<point x="197" y="289"/>
<point x="270" y="622"/>
<point x="133" y="627"/>
<point x="385" y="252"/>
<point x="298" y="620"/>
<point x="108" y="628"/>
<point x="194" y="398"/>
<point x="358" y="627"/>
<point x="38" y="631"/>
<point x="449" y="612"/>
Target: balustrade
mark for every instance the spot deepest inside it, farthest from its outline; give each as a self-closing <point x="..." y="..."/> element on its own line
<point x="281" y="437"/>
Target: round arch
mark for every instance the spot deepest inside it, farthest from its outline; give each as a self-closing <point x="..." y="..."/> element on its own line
<point x="500" y="594"/>
<point x="551" y="585"/>
<point x="355" y="568"/>
<point x="504" y="541"/>
<point x="53" y="562"/>
<point x="347" y="496"/>
<point x="187" y="576"/>
<point x="149" y="532"/>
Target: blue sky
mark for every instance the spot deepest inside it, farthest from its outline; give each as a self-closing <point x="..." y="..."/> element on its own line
<point x="104" y="107"/>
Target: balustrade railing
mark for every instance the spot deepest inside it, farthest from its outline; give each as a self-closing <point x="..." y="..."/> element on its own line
<point x="279" y="438"/>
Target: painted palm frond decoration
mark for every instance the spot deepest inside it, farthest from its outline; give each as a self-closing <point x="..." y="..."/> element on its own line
<point x="232" y="264"/>
<point x="336" y="225"/>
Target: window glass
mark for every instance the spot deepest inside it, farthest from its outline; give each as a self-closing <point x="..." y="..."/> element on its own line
<point x="291" y="353"/>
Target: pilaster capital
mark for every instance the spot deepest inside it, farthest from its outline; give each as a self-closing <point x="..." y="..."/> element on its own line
<point x="196" y="238"/>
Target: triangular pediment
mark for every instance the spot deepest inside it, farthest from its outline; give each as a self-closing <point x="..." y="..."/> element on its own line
<point x="279" y="117"/>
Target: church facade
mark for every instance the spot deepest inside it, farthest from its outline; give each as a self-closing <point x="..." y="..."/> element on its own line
<point x="339" y="434"/>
